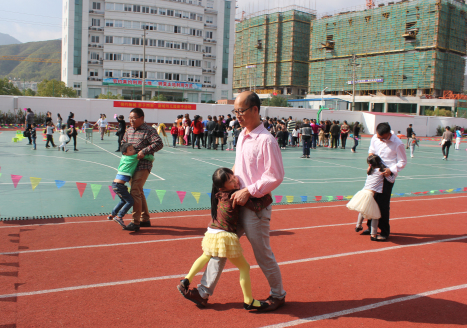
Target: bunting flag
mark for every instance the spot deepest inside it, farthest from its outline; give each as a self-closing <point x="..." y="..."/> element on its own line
<point x="330" y="197"/>
<point x="181" y="195"/>
<point x="112" y="192"/>
<point x="433" y="191"/>
<point x="160" y="194"/>
<point x="15" y="179"/>
<point x="425" y="192"/>
<point x="146" y="193"/>
<point x="278" y="198"/>
<point x="449" y="190"/>
<point x="417" y="193"/>
<point x="304" y="198"/>
<point x="197" y="195"/>
<point x="0" y="174"/>
<point x="289" y="199"/>
<point x="34" y="182"/>
<point x="465" y="189"/>
<point x="59" y="183"/>
<point x="340" y="197"/>
<point x="458" y="189"/>
<point x="318" y="198"/>
<point x="95" y="189"/>
<point x="81" y="187"/>
<point x="400" y="194"/>
<point x="442" y="190"/>
<point x="209" y="194"/>
<point x="349" y="197"/>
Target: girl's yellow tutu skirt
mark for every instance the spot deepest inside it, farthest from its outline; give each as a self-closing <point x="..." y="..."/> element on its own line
<point x="222" y="244"/>
<point x="364" y="202"/>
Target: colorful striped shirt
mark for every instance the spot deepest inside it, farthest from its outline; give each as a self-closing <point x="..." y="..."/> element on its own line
<point x="145" y="139"/>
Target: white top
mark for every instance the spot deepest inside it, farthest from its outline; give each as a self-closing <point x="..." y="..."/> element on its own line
<point x="50" y="130"/>
<point x="229" y="134"/>
<point x="375" y="181"/>
<point x="392" y="153"/>
<point x="232" y="123"/>
<point x="295" y="133"/>
<point x="102" y="123"/>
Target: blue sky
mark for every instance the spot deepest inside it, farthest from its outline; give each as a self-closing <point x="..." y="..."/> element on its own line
<point x="39" y="20"/>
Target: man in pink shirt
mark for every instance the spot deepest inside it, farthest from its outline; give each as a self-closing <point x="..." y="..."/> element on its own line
<point x="258" y="165"/>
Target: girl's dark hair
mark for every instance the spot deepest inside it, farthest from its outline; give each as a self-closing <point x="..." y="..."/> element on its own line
<point x="58" y="115"/>
<point x="376" y="163"/>
<point x="71" y="115"/>
<point x="219" y="178"/>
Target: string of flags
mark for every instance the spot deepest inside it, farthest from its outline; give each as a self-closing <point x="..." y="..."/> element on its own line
<point x="96" y="188"/>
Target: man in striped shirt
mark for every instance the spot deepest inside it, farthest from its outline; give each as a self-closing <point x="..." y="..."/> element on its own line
<point x="146" y="141"/>
<point x="291" y="125"/>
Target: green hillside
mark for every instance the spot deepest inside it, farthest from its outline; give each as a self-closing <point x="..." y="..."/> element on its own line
<point x="31" y="71"/>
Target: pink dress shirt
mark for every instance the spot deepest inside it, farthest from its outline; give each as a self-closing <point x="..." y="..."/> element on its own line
<point x="258" y="162"/>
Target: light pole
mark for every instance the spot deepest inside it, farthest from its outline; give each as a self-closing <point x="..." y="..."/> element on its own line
<point x="353" y="63"/>
<point x="143" y="95"/>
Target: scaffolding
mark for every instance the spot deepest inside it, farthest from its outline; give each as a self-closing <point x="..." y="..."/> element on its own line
<point x="402" y="48"/>
<point x="272" y="49"/>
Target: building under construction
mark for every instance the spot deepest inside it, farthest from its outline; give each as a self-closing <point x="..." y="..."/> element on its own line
<point x="272" y="50"/>
<point x="407" y="48"/>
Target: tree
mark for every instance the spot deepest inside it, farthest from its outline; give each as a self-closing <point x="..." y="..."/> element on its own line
<point x="54" y="88"/>
<point x="29" y="92"/>
<point x="109" y="95"/>
<point x="8" y="88"/>
<point x="275" y="101"/>
<point x="159" y="97"/>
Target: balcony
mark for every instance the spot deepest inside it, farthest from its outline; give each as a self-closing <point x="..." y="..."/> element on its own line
<point x="96" y="12"/>
<point x="209" y="40"/>
<point x="209" y="71"/>
<point x="91" y="78"/>
<point x="209" y="56"/>
<point x="95" y="62"/>
<point x="96" y="28"/>
<point x="95" y="45"/>
<point x="209" y="86"/>
<point x="211" y="26"/>
<point x="210" y="11"/>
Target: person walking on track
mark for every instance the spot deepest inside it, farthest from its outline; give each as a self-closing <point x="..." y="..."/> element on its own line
<point x="391" y="150"/>
<point x="146" y="141"/>
<point x="259" y="168"/>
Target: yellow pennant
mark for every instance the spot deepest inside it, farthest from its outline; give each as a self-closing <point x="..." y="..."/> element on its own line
<point x="35" y="182"/>
<point x="197" y="195"/>
<point x="349" y="197"/>
<point x="450" y="190"/>
<point x="289" y="199"/>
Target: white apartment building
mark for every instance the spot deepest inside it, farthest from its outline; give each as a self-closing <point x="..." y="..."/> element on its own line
<point x="189" y="48"/>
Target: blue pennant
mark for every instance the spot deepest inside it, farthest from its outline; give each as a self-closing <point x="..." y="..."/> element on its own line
<point x="146" y="192"/>
<point x="304" y="198"/>
<point x="59" y="183"/>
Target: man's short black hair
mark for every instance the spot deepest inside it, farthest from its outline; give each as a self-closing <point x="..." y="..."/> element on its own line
<point x="383" y="128"/>
<point x="228" y="115"/>
<point x="410" y="124"/>
<point x="121" y="117"/>
<point x="124" y="147"/>
<point x="138" y="111"/>
<point x="209" y="117"/>
<point x="253" y="100"/>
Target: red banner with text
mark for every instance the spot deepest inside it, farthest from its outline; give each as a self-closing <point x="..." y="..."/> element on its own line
<point x="153" y="105"/>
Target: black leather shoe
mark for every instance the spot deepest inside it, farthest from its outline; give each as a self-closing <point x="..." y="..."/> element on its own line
<point x="381" y="238"/>
<point x="357" y="229"/>
<point x="250" y="307"/>
<point x="366" y="232"/>
<point x="132" y="227"/>
<point x="145" y="224"/>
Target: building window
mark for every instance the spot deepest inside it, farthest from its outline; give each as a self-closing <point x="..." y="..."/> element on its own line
<point x="225" y="94"/>
<point x="76" y="85"/>
<point x="207" y="79"/>
<point x="109" y="23"/>
<point x="136" y="8"/>
<point x="126" y="74"/>
<point x="94" y="72"/>
<point x="145" y="9"/>
<point x="109" y="39"/>
<point x="96" y="5"/>
<point x="208" y="35"/>
<point x="208" y="50"/>
<point x="210" y="4"/>
<point x="94" y="56"/>
<point x="200" y="18"/>
<point x="162" y="11"/>
<point x="135" y="41"/>
<point x="137" y="74"/>
<point x="94" y="39"/>
<point x="209" y="19"/>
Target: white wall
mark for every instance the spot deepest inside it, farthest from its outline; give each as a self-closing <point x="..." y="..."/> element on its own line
<point x="91" y="108"/>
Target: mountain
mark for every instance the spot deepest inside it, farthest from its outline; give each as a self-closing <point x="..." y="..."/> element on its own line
<point x="31" y="71"/>
<point x="7" y="39"/>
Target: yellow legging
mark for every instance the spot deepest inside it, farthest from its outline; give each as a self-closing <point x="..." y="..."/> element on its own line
<point x="240" y="263"/>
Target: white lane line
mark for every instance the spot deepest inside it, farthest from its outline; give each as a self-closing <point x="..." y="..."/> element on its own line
<point x="118" y="157"/>
<point x="216" y="165"/>
<point x="311" y="259"/>
<point x="364" y="308"/>
<point x="412" y="199"/>
<point x="220" y="160"/>
<point x="294" y="180"/>
<point x="363" y="179"/>
<point x="199" y="237"/>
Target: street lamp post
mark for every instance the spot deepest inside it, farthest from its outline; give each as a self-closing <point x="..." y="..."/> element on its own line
<point x="143" y="95"/>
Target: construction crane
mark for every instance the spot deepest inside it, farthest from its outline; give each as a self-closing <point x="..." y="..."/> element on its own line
<point x="370" y="4"/>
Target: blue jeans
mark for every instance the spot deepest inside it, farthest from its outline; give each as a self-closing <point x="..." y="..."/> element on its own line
<point x="306" y="145"/>
<point x="174" y="137"/>
<point x="314" y="139"/>
<point x="126" y="201"/>
<point x="355" y="140"/>
<point x="34" y="142"/>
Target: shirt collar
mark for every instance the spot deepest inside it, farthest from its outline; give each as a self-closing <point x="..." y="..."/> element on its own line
<point x="255" y="132"/>
<point x="142" y="127"/>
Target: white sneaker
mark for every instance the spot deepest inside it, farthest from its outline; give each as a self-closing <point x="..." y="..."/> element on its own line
<point x="411" y="156"/>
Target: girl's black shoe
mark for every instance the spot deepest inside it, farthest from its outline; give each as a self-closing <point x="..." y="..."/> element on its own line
<point x="250" y="307"/>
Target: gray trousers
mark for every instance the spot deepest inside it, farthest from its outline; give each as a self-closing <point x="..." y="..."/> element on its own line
<point x="256" y="227"/>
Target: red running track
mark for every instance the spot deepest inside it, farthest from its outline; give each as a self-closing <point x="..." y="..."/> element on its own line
<point x="81" y="272"/>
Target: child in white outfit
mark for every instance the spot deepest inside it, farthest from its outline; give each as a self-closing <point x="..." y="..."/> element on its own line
<point x="364" y="201"/>
<point x="64" y="138"/>
<point x="230" y="138"/>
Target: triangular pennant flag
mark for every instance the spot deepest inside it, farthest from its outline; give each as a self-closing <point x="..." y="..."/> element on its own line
<point x="425" y="192"/>
<point x="417" y="193"/>
<point x="0" y="174"/>
<point x="95" y="189"/>
<point x="304" y="198"/>
<point x="15" y="179"/>
<point x="340" y="197"/>
<point x="349" y="197"/>
<point x="330" y="197"/>
<point x="146" y="192"/>
<point x="433" y="191"/>
<point x="465" y="188"/>
<point x="289" y="199"/>
<point x="278" y="199"/>
<point x="181" y="195"/>
<point x="34" y="182"/>
<point x="160" y="195"/>
<point x="318" y="198"/>
<point x="81" y="187"/>
<point x="400" y="194"/>
<point x="209" y="194"/>
<point x="449" y="190"/>
<point x="59" y="183"/>
<point x="112" y="192"/>
<point x="442" y="190"/>
<point x="197" y="195"/>
<point x="458" y="189"/>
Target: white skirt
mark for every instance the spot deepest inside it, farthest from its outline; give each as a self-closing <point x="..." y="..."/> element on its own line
<point x="63" y="138"/>
<point x="364" y="202"/>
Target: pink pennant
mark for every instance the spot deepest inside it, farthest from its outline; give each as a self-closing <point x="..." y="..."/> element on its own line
<point x="442" y="190"/>
<point x="318" y="198"/>
<point x="278" y="198"/>
<point x="81" y="187"/>
<point x="15" y="179"/>
<point x="112" y="192"/>
<point x="417" y="193"/>
<point x="465" y="188"/>
<point x="181" y="195"/>
<point x="340" y="197"/>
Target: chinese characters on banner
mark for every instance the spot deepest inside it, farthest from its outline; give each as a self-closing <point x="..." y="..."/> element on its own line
<point x="153" y="105"/>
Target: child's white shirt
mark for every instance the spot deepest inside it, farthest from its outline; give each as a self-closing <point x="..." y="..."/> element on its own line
<point x="375" y="181"/>
<point x="295" y="133"/>
<point x="50" y="130"/>
<point x="229" y="134"/>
